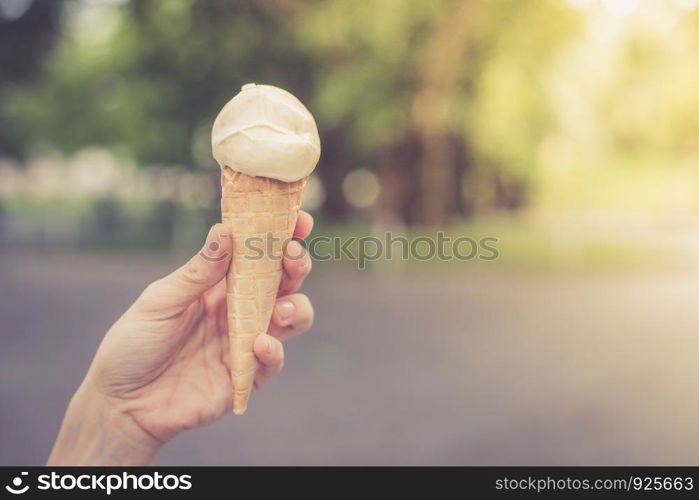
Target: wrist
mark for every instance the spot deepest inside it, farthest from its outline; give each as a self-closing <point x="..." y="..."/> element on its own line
<point x="96" y="432"/>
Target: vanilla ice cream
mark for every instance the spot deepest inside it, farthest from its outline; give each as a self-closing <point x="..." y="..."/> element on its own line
<point x="265" y="131"/>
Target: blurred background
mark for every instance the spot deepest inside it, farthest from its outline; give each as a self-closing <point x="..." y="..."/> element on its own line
<point x="566" y="129"/>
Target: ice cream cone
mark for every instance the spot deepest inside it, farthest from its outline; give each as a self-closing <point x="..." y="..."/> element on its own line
<point x="260" y="215"/>
<point x="266" y="143"/>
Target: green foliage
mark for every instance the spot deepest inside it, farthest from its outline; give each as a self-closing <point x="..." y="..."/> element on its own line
<point x="457" y="81"/>
<point x="146" y="87"/>
<point x="368" y="55"/>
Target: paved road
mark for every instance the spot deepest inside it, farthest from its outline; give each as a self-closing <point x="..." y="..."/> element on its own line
<point x="400" y="369"/>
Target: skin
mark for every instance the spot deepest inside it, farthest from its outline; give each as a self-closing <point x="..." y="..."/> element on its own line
<point x="163" y="367"/>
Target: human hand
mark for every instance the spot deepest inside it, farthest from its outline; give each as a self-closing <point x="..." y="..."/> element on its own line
<point x="163" y="367"/>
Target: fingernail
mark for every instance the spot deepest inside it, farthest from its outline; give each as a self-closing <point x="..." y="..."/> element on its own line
<point x="285" y="309"/>
<point x="270" y="346"/>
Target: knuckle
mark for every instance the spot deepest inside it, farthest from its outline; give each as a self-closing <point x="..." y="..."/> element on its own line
<point x="149" y="293"/>
<point x="295" y="252"/>
<point x="307" y="315"/>
<point x="194" y="272"/>
<point x="150" y="290"/>
<point x="279" y="357"/>
<point x="307" y="265"/>
<point x="311" y="317"/>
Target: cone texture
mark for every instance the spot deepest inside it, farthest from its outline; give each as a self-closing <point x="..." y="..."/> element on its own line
<point x="260" y="215"/>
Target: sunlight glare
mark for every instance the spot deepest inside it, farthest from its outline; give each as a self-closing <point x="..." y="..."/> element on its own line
<point x="621" y="8"/>
<point x="687" y="4"/>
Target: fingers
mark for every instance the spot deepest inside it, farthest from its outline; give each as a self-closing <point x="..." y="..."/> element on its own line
<point x="297" y="265"/>
<point x="304" y="225"/>
<point x="189" y="282"/>
<point x="270" y="353"/>
<point x="296" y="261"/>
<point x="292" y="316"/>
<point x="209" y="266"/>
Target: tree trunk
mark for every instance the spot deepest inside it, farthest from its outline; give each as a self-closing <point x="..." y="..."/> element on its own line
<point x="438" y="76"/>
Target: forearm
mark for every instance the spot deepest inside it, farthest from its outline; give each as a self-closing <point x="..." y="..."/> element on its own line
<point x="94" y="433"/>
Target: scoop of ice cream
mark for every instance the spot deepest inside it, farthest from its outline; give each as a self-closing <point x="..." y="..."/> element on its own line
<point x="265" y="131"/>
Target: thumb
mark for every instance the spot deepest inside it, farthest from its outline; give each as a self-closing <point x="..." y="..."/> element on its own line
<point x="185" y="285"/>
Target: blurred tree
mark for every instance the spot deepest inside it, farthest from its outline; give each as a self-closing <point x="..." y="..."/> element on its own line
<point x="444" y="96"/>
<point x="443" y="99"/>
<point x="147" y="78"/>
<point x="28" y="32"/>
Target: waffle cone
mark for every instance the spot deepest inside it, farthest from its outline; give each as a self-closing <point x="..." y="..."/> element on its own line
<point x="260" y="215"/>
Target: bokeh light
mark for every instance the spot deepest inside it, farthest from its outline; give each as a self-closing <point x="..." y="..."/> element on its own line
<point x="314" y="195"/>
<point x="11" y="10"/>
<point x="361" y="188"/>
